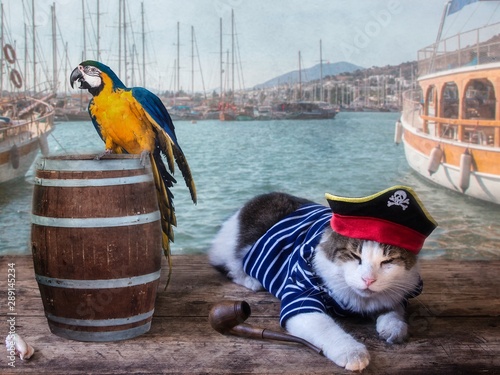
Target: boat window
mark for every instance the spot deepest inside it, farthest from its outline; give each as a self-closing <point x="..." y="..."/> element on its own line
<point x="450" y="100"/>
<point x="480" y="100"/>
<point x="430" y="109"/>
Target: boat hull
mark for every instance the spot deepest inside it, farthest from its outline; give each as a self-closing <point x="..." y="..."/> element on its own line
<point x="14" y="163"/>
<point x="483" y="183"/>
<point x="22" y="138"/>
<point x="321" y="115"/>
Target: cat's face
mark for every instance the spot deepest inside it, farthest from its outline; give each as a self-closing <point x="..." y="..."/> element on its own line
<point x="367" y="269"/>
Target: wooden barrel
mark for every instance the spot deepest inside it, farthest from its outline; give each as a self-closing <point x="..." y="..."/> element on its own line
<point x="96" y="244"/>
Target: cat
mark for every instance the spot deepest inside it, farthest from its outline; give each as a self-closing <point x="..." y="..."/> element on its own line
<point x="329" y="275"/>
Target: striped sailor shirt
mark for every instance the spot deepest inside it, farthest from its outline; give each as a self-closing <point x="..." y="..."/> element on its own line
<point x="282" y="261"/>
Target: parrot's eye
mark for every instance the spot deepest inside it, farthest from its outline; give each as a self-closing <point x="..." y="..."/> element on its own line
<point x="92" y="71"/>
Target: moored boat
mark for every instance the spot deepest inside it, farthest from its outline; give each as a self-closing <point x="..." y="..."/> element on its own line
<point x="304" y="111"/>
<point x="24" y="126"/>
<point x="450" y="124"/>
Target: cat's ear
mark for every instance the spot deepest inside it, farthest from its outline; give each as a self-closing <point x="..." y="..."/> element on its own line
<point x="394" y="216"/>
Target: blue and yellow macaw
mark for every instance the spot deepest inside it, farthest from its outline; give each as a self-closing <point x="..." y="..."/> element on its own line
<point x="135" y="121"/>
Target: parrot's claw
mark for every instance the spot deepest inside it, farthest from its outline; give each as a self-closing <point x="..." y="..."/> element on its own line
<point x="144" y="158"/>
<point x="106" y="152"/>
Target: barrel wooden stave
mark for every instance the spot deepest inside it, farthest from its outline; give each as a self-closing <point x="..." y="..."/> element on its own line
<point x="96" y="249"/>
<point x="83" y="253"/>
<point x="99" y="304"/>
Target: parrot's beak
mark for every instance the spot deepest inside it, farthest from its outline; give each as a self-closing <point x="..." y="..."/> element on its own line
<point x="77" y="75"/>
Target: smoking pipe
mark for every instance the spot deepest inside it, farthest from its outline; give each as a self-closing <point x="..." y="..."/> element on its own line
<point x="229" y="316"/>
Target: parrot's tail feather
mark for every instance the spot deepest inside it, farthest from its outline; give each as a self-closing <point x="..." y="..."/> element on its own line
<point x="163" y="180"/>
<point x="186" y="172"/>
<point x="164" y="143"/>
<point x="170" y="156"/>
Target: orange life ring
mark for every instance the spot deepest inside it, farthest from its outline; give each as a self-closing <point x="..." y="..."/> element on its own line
<point x="15" y="78"/>
<point x="10" y="53"/>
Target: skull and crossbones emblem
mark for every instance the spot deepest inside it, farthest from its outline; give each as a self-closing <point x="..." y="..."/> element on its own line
<point x="399" y="198"/>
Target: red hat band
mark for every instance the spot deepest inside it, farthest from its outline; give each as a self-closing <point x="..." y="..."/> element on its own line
<point x="379" y="230"/>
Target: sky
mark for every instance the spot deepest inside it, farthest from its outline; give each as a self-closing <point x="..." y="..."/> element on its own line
<point x="269" y="35"/>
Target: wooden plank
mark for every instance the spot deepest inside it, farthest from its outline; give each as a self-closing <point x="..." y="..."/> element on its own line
<point x="454" y="329"/>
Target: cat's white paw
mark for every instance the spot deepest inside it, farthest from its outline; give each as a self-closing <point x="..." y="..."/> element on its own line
<point x="352" y="356"/>
<point x="392" y="328"/>
<point x="337" y="345"/>
<point x="253" y="284"/>
<point x="245" y="280"/>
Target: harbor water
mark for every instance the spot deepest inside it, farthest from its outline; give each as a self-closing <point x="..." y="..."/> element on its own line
<point x="352" y="155"/>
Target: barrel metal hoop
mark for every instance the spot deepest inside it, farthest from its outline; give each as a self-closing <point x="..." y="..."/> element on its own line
<point x="100" y="336"/>
<point x="79" y="165"/>
<point x="98" y="284"/>
<point x="95" y="222"/>
<point x="100" y="322"/>
<point x="91" y="182"/>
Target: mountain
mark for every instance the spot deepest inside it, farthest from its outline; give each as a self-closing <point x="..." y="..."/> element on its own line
<point x="311" y="74"/>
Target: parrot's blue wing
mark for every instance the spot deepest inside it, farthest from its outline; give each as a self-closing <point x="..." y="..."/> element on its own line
<point x="154" y="107"/>
<point x="166" y="141"/>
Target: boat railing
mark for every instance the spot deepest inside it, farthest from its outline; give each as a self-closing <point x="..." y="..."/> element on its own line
<point x="412" y="108"/>
<point x="472" y="131"/>
<point x="31" y="127"/>
<point x="475" y="47"/>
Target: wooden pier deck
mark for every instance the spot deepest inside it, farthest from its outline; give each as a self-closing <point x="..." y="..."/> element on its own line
<point x="455" y="329"/>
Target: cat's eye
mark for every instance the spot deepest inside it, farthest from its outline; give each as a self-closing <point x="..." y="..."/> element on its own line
<point x="356" y="257"/>
<point x="387" y="261"/>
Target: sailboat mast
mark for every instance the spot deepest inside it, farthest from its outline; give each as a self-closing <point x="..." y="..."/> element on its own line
<point x="125" y="54"/>
<point x="34" y="45"/>
<point x="300" y="80"/>
<point x="192" y="60"/>
<point x="84" y="36"/>
<point x="226" y="81"/>
<point x="438" y="38"/>
<point x="321" y="71"/>
<point x="54" y="49"/>
<point x="174" y="89"/>
<point x="120" y="37"/>
<point x="98" y="33"/>
<point x="143" y="47"/>
<point x="26" y="54"/>
<point x="221" y="62"/>
<point x="199" y="64"/>
<point x="178" y="56"/>
<point x="232" y="52"/>
<point x="132" y="66"/>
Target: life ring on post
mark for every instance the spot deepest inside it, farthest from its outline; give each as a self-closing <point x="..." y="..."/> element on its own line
<point x="10" y="53"/>
<point x="16" y="79"/>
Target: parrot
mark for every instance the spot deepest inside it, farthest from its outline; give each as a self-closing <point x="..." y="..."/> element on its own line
<point x="135" y="121"/>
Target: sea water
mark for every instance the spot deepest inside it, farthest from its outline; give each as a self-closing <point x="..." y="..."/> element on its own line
<point x="352" y="155"/>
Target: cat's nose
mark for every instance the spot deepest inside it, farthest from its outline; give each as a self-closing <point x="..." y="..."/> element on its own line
<point x="368" y="281"/>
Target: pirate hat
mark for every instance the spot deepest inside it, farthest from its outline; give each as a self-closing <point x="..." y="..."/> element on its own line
<point x="394" y="216"/>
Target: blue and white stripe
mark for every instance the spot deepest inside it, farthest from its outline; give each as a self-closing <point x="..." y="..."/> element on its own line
<point x="281" y="260"/>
